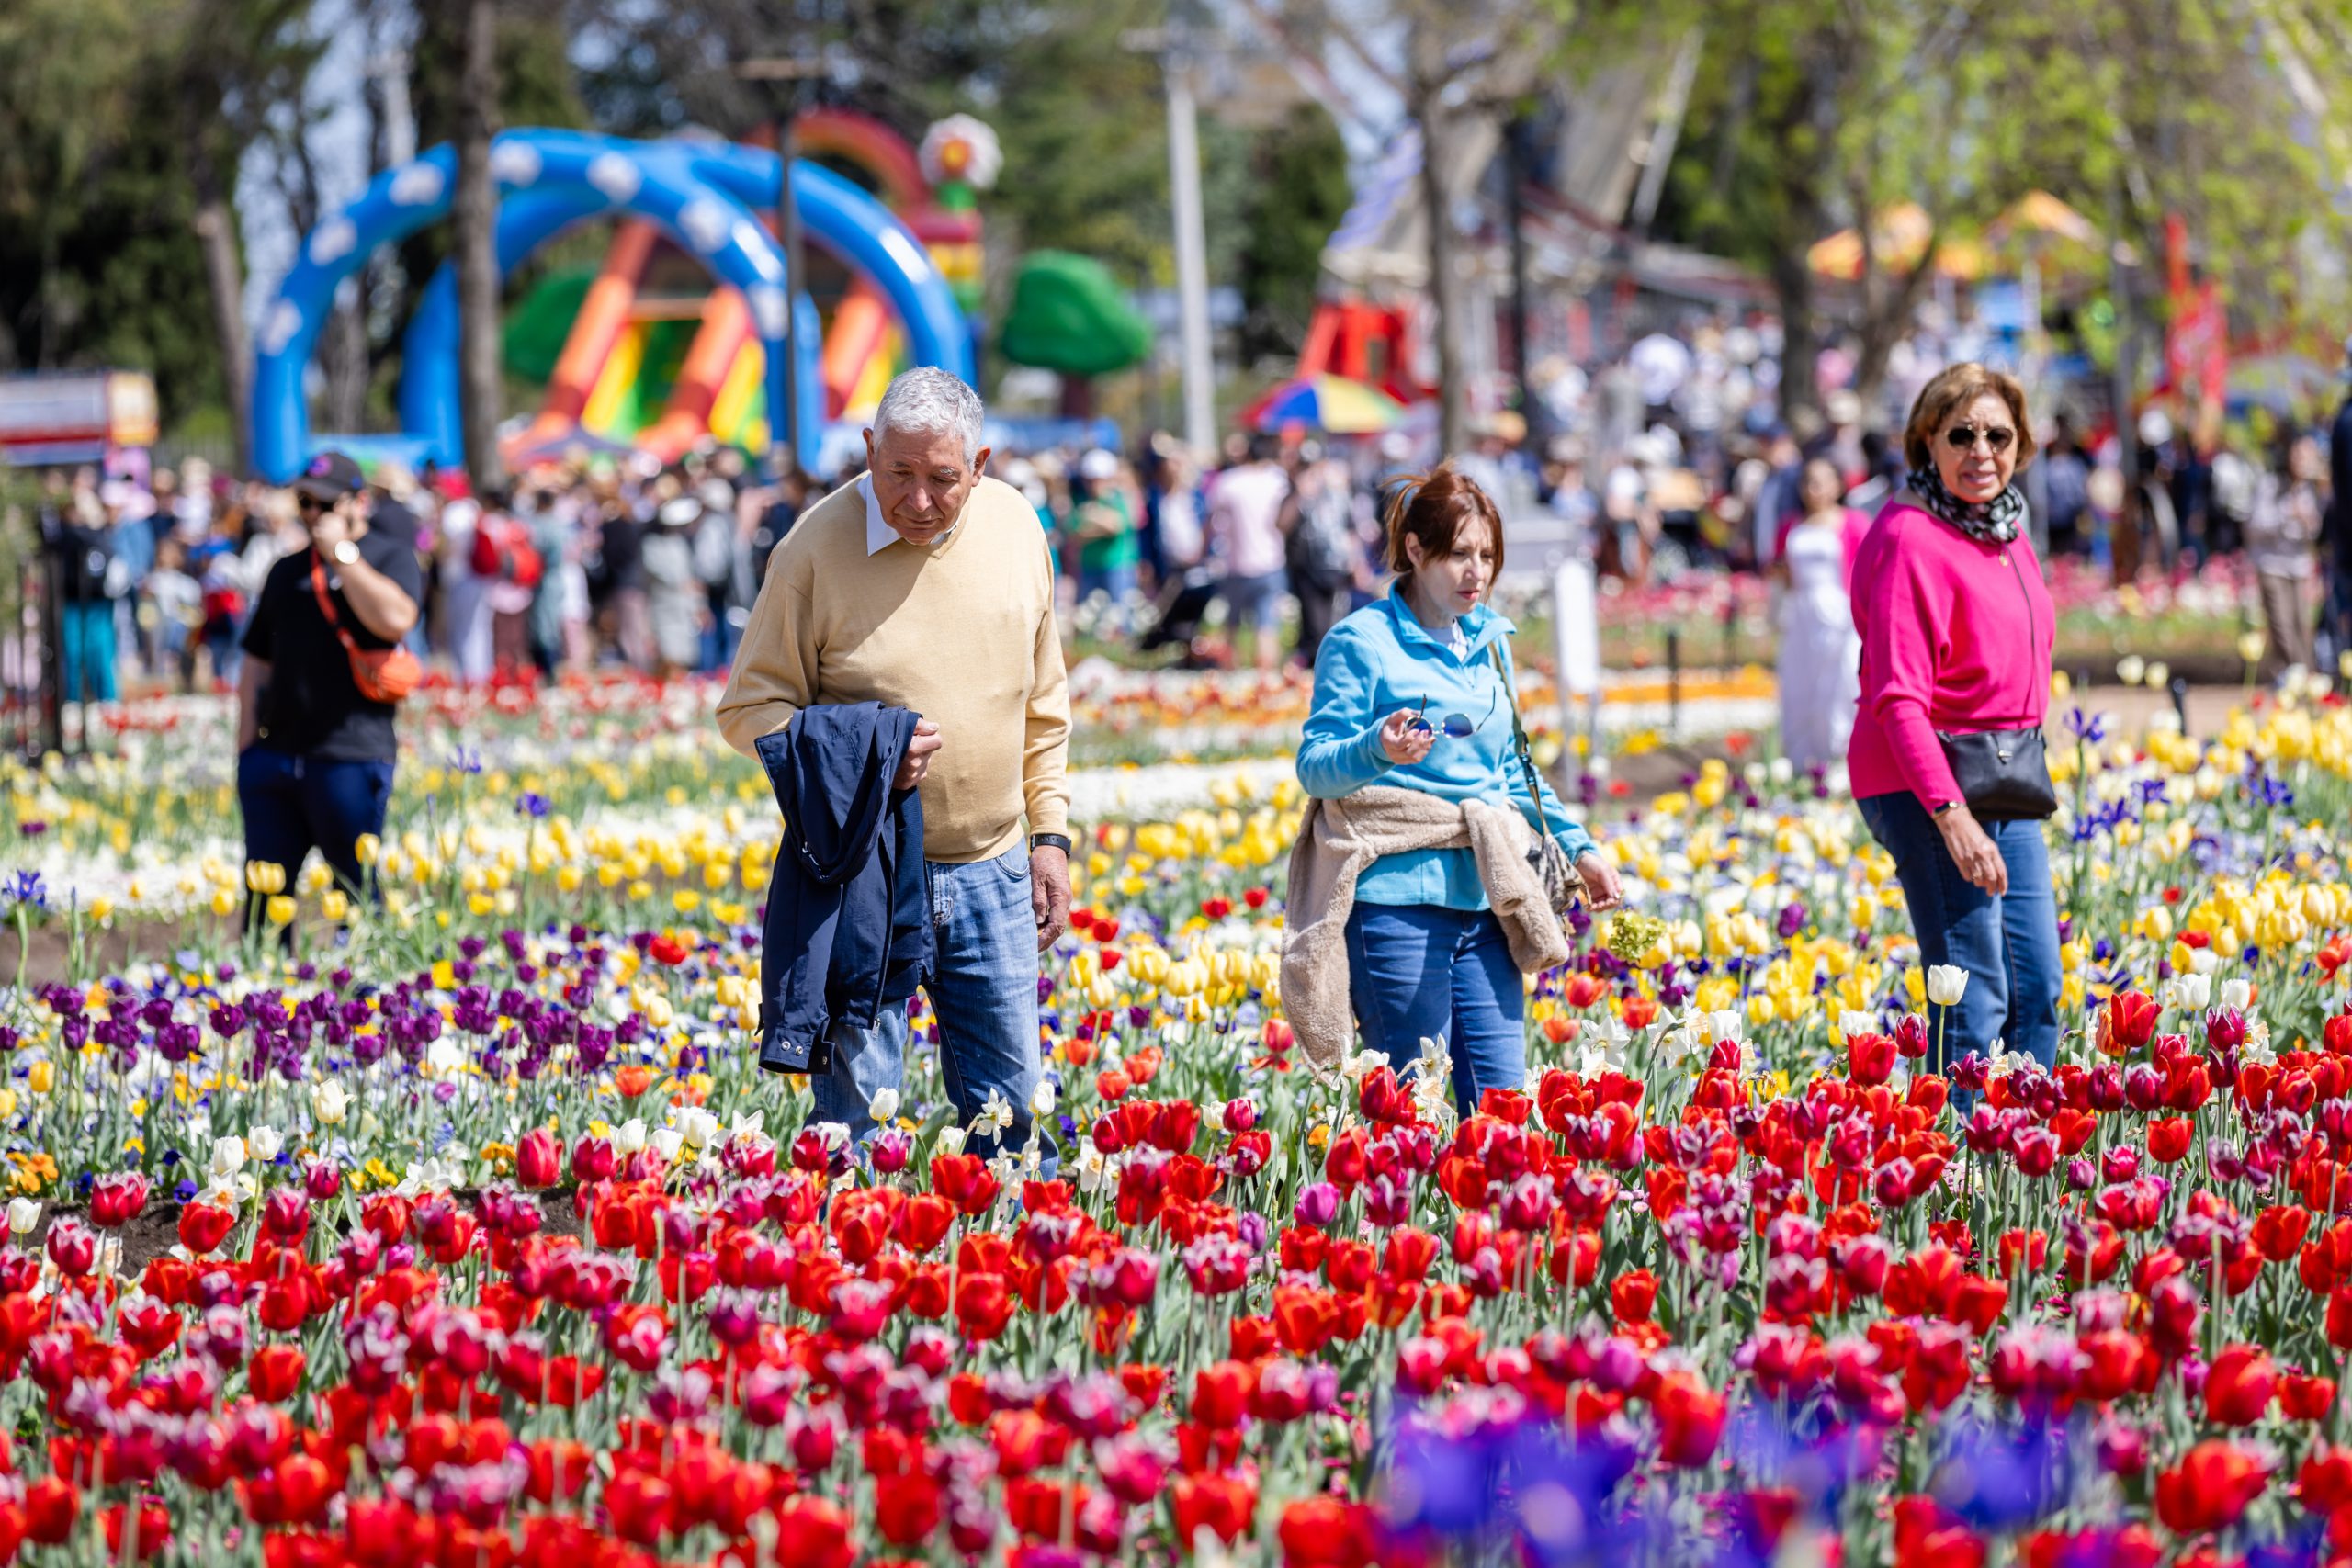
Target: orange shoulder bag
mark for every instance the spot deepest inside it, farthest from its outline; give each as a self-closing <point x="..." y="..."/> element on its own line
<point x="382" y="675"/>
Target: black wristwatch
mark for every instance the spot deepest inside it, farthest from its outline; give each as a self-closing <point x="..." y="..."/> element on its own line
<point x="1050" y="842"/>
<point x="1947" y="806"/>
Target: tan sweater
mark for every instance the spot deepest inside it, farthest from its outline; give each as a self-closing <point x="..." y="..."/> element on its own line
<point x="962" y="633"/>
<point x="1338" y="840"/>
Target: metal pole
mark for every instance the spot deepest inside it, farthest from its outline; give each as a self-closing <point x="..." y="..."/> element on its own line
<point x="2127" y="430"/>
<point x="1191" y="255"/>
<point x="788" y="231"/>
<point x="1515" y="218"/>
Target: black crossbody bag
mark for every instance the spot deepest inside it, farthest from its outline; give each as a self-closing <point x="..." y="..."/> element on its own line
<point x="2004" y="774"/>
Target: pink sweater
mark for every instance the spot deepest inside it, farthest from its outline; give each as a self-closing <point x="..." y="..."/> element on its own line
<point x="1956" y="637"/>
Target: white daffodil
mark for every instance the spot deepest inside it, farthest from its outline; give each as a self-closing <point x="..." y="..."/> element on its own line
<point x="227" y="1157"/>
<point x="1946" y="983"/>
<point x="884" y="1107"/>
<point x="754" y="1123"/>
<point x="1357" y="1064"/>
<point x="995" y="1111"/>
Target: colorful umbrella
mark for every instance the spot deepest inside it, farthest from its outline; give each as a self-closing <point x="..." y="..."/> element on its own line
<point x="1329" y="403"/>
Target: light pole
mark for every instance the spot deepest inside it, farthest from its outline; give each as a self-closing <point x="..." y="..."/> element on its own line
<point x="1173" y="44"/>
<point x="783" y="424"/>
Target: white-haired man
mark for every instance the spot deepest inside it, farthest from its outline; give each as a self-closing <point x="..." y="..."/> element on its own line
<point x="925" y="584"/>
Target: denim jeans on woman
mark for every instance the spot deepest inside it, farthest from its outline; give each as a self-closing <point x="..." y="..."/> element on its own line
<point x="983" y="993"/>
<point x="2007" y="945"/>
<point x="1419" y="972"/>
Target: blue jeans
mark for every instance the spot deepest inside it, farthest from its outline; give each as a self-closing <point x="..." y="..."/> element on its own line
<point x="983" y="992"/>
<point x="2008" y="946"/>
<point x="1420" y="971"/>
<point x="293" y="805"/>
<point x="86" y="645"/>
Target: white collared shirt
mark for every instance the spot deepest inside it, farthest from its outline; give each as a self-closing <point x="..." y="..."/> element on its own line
<point x="879" y="535"/>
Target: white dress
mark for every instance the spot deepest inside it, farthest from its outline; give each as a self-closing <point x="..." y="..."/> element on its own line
<point x="1820" y="655"/>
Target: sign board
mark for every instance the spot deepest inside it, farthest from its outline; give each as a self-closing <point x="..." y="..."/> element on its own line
<point x="75" y="416"/>
<point x="1576" y="629"/>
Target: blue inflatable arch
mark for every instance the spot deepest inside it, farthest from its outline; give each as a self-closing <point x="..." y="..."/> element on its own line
<point x="701" y="196"/>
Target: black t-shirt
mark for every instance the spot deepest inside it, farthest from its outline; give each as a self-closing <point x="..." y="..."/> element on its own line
<point x="311" y="706"/>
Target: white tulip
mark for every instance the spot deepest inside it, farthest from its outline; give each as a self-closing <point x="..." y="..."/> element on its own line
<point x="1854" y="1021"/>
<point x="2236" y="992"/>
<point x="834" y="1134"/>
<point x="884" y="1107"/>
<point x="263" y="1144"/>
<point x="227" y="1157"/>
<point x="629" y="1136"/>
<point x="667" y="1141"/>
<point x="2196" y="991"/>
<point x="329" y="1103"/>
<point x="2203" y="961"/>
<point x="1041" y="1098"/>
<point x="699" y="1127"/>
<point x="24" y="1217"/>
<point x="951" y="1142"/>
<point x="1946" y="982"/>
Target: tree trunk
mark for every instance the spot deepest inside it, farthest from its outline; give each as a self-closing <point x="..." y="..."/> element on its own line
<point x="1445" y="289"/>
<point x="476" y="201"/>
<point x="216" y="231"/>
<point x="1799" y="345"/>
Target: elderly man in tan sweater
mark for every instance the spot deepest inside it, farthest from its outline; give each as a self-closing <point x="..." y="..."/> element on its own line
<point x="926" y="585"/>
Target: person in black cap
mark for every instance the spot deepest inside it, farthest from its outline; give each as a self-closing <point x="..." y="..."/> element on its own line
<point x="314" y="753"/>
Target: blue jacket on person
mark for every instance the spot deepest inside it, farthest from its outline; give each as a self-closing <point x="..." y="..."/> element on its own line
<point x="848" y="928"/>
<point x="1382" y="658"/>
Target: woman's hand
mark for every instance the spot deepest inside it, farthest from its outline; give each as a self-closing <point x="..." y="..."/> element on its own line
<point x="1404" y="740"/>
<point x="1973" y="849"/>
<point x="1602" y="891"/>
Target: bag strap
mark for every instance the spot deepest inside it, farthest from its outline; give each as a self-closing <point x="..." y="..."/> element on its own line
<point x="1519" y="742"/>
<point x="326" y="605"/>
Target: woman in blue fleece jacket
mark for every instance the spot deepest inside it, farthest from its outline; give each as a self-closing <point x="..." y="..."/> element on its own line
<point x="1414" y="691"/>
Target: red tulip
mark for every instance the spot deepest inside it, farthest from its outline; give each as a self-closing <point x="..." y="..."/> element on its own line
<point x="2306" y="1398"/>
<point x="1222" y="1505"/>
<point x="204" y="1226"/>
<point x="638" y="1505"/>
<point x="1327" y="1532"/>
<point x="538" y="1161"/>
<point x="72" y="1247"/>
<point x="2169" y="1138"/>
<point x="814" y="1533"/>
<point x="51" y="1505"/>
<point x="1869" y="1058"/>
<point x="2129" y="1024"/>
<point x="2239" y="1385"/>
<point x="966" y="1181"/>
<point x="117" y="1199"/>
<point x="276" y="1372"/>
<point x="2210" y="1488"/>
<point x="1221" y="1394"/>
<point x="1690" y="1418"/>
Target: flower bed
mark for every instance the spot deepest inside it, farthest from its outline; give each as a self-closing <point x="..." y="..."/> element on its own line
<point x="475" y="1238"/>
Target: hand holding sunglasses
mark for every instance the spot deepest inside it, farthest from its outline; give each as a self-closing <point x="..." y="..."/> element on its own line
<point x="1406" y="737"/>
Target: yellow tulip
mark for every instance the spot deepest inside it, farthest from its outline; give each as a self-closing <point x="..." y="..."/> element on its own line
<point x="41" y="1077"/>
<point x="335" y="905"/>
<point x="279" y="909"/>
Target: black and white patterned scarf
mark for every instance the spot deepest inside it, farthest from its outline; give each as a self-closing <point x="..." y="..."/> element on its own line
<point x="1994" y="522"/>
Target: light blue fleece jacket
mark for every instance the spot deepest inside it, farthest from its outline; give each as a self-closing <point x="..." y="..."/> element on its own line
<point x="1380" y="660"/>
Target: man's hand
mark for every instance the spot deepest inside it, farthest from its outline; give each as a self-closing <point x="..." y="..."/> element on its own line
<point x="917" y="762"/>
<point x="1973" y="849"/>
<point x="1050" y="894"/>
<point x="1602" y="891"/>
<point x="329" y="529"/>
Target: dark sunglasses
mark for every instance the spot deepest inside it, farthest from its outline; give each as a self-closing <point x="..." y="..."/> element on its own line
<point x="309" y="503"/>
<point x="1962" y="437"/>
<point x="1457" y="725"/>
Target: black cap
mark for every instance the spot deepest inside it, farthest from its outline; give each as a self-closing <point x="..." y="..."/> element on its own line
<point x="331" y="476"/>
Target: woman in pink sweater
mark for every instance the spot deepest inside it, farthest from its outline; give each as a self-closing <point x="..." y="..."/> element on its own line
<point x="1956" y="630"/>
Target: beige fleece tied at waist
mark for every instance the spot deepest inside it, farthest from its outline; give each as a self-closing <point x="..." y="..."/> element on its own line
<point x="1338" y="839"/>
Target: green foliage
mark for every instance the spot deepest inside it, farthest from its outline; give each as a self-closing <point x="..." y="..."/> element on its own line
<point x="1068" y="315"/>
<point x="1298" y="192"/>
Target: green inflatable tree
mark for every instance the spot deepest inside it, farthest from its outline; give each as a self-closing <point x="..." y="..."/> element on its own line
<point x="1067" y="315"/>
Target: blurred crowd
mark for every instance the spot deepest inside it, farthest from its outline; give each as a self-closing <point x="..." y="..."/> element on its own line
<point x="1654" y="462"/>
